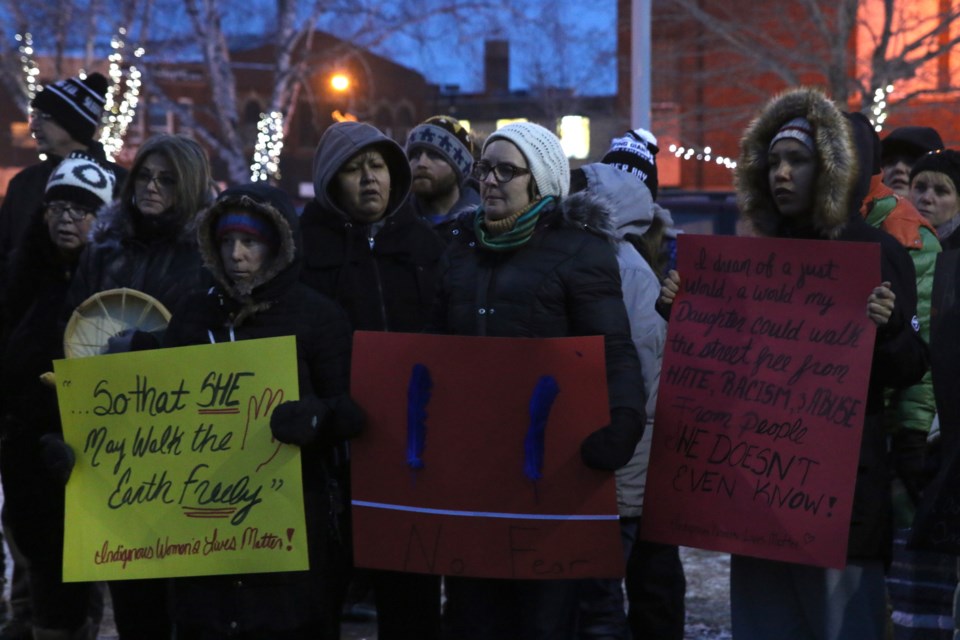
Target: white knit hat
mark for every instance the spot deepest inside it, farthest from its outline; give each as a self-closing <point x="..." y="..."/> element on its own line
<point x="545" y="157"/>
<point x="80" y="179"/>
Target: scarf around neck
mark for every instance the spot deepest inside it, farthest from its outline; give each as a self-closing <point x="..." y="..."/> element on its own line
<point x="521" y="231"/>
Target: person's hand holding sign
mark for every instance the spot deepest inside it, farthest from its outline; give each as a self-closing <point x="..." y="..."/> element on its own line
<point x="880" y="304"/>
<point x="669" y="288"/>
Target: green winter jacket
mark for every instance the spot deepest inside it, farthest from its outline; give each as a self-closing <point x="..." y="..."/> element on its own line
<point x="913" y="407"/>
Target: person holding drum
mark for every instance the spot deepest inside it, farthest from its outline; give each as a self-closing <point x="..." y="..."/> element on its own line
<point x="145" y="241"/>
<point x="41" y="270"/>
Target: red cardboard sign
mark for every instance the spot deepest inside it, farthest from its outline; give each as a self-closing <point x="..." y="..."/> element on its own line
<point x="762" y="395"/>
<point x="471" y="509"/>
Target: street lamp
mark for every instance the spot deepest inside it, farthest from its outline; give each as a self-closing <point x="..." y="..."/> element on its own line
<point x="340" y="82"/>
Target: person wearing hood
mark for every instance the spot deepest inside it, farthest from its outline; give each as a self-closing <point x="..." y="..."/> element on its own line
<point x="362" y="247"/>
<point x="655" y="582"/>
<point x="145" y="241"/>
<point x="799" y="176"/>
<point x="532" y="262"/>
<point x="441" y="159"/>
<point x="250" y="243"/>
<point x="368" y="250"/>
<point x="42" y="269"/>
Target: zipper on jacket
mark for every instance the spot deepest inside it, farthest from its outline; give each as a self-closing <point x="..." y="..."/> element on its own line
<point x="371" y="240"/>
<point x="484" y="284"/>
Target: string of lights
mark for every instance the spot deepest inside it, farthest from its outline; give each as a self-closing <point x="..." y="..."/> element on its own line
<point x="119" y="113"/>
<point x="266" y="154"/>
<point x="704" y="155"/>
<point x="28" y="64"/>
<point x="878" y="111"/>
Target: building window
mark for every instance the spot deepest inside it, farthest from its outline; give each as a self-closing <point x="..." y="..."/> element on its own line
<point x="159" y="119"/>
<point x="186" y="106"/>
<point x="575" y="136"/>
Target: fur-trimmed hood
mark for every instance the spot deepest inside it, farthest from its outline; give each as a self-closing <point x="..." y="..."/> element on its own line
<point x="588" y="211"/>
<point x="836" y="155"/>
<point x="627" y="197"/>
<point x="258" y="292"/>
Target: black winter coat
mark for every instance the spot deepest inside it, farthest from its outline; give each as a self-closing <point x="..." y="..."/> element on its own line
<point x="33" y="338"/>
<point x="133" y="251"/>
<point x="274" y="304"/>
<point x="900" y="357"/>
<point x="385" y="281"/>
<point x="565" y="281"/>
<point x="25" y="195"/>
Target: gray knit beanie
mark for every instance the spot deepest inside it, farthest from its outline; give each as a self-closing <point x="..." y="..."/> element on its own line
<point x="545" y="157"/>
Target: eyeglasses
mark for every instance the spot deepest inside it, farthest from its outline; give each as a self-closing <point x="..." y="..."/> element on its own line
<point x="162" y="180"/>
<point x="76" y="212"/>
<point x="502" y="171"/>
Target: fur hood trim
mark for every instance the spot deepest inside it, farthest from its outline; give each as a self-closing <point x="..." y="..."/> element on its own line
<point x="836" y="155"/>
<point x="588" y="211"/>
<point x="209" y="248"/>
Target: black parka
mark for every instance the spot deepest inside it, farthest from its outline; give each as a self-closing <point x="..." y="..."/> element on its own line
<point x="273" y="303"/>
<point x="565" y="281"/>
<point x="900" y="357"/>
<point x="383" y="274"/>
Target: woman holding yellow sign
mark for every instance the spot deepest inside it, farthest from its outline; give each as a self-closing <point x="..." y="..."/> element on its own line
<point x="250" y="243"/>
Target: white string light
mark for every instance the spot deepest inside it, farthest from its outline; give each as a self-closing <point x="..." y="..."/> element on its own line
<point x="878" y="111"/>
<point x="28" y="64"/>
<point x="704" y="155"/>
<point x="118" y="114"/>
<point x="266" y="155"/>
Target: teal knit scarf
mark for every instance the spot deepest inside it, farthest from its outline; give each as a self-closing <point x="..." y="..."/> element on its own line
<point x="515" y="237"/>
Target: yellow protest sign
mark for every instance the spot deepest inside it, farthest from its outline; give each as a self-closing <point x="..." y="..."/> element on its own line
<point x="177" y="473"/>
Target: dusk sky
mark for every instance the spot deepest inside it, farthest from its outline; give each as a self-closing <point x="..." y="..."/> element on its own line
<point x="572" y="42"/>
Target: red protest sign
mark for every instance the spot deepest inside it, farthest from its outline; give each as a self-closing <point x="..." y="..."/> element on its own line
<point x="762" y="395"/>
<point x="456" y="497"/>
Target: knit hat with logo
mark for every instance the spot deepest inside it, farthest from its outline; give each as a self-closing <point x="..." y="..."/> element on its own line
<point x="82" y="180"/>
<point x="75" y="104"/>
<point x="635" y="152"/>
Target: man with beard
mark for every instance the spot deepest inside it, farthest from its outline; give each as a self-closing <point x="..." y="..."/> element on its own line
<point x="441" y="157"/>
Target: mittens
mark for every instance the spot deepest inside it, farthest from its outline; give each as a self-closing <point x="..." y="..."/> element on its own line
<point x="302" y="422"/>
<point x="131" y="340"/>
<point x="611" y="447"/>
<point x="297" y="422"/>
<point x="57" y="456"/>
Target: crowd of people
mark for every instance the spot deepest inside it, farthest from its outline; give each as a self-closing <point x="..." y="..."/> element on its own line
<point x="449" y="236"/>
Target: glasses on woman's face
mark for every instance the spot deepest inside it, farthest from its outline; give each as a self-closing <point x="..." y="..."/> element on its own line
<point x="76" y="212"/>
<point x="502" y="171"/>
<point x="162" y="180"/>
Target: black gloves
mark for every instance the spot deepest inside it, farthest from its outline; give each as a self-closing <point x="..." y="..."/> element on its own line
<point x="612" y="446"/>
<point x="301" y="422"/>
<point x="57" y="457"/>
<point x="909" y="450"/>
<point x="131" y="340"/>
